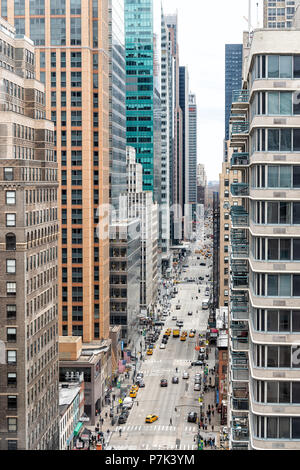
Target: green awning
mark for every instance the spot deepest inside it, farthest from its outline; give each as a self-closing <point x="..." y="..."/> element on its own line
<point x="77" y="429"/>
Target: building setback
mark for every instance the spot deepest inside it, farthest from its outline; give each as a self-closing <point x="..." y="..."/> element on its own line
<point x="72" y="42"/>
<point x="29" y="417"/>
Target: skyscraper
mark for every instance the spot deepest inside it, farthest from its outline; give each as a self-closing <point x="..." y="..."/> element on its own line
<point x="192" y="154"/>
<point x="184" y="105"/>
<point x="166" y="142"/>
<point x="72" y="42"/>
<point x="29" y="231"/>
<point x="142" y="97"/>
<point x="117" y="100"/>
<point x="279" y="15"/>
<point x="176" y="195"/>
<point x="233" y="77"/>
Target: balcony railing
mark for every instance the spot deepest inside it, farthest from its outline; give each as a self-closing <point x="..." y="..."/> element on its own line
<point x="240" y="96"/>
<point x="240" y="250"/>
<point x="240" y="343"/>
<point x="240" y="189"/>
<point x="240" y="127"/>
<point x="240" y="433"/>
<point x="239" y="267"/>
<point x="240" y="313"/>
<point x="240" y="404"/>
<point x="240" y="373"/>
<point x="240" y="159"/>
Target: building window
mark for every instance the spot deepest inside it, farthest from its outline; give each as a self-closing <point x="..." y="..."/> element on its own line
<point x="11" y="266"/>
<point x="10" y="240"/>
<point x="12" y="445"/>
<point x="11" y="288"/>
<point x="11" y="335"/>
<point x="58" y="7"/>
<point x="11" y="312"/>
<point x="11" y="379"/>
<point x="76" y="79"/>
<point x="8" y="174"/>
<point x="19" y="8"/>
<point x="20" y="25"/>
<point x="11" y="357"/>
<point x="75" y="6"/>
<point x="75" y="31"/>
<point x="58" y="31"/>
<point x="37" y="7"/>
<point x="12" y="424"/>
<point x="37" y="31"/>
<point x="10" y="197"/>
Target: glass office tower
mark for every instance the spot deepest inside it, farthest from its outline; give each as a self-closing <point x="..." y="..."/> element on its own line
<point x="140" y="85"/>
<point x="233" y="77"/>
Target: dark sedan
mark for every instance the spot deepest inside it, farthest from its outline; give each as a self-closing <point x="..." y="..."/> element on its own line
<point x="192" y="417"/>
<point x="197" y="363"/>
<point x="122" y="419"/>
<point x="163" y="383"/>
<point x="175" y="380"/>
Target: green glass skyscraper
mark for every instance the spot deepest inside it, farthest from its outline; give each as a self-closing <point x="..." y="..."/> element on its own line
<point x="142" y="97"/>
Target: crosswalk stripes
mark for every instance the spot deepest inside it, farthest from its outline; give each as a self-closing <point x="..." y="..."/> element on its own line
<point x="139" y="428"/>
<point x="157" y="447"/>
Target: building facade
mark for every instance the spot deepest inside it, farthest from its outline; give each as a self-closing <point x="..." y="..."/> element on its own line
<point x="166" y="141"/>
<point x="184" y="105"/>
<point x="279" y="14"/>
<point x="72" y="43"/>
<point x="125" y="276"/>
<point x="193" y="158"/>
<point x="29" y="230"/>
<point x="264" y="316"/>
<point x="176" y="193"/>
<point x="140" y="89"/>
<point x="117" y="101"/>
<point x="233" y="77"/>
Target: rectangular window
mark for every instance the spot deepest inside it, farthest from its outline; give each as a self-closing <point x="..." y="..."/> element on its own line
<point x="272" y="285"/>
<point x="10" y="220"/>
<point x="75" y="6"/>
<point x="11" y="335"/>
<point x="273" y="140"/>
<point x="8" y="174"/>
<point x="296" y="213"/>
<point x="273" y="66"/>
<point x="286" y="140"/>
<point x="12" y="425"/>
<point x="10" y="197"/>
<point x="11" y="357"/>
<point x="37" y="7"/>
<point x="58" y="7"/>
<point x="58" y="31"/>
<point x="76" y="31"/>
<point x="37" y="31"/>
<point x="19" y="8"/>
<point x="296" y="140"/>
<point x="296" y="285"/>
<point x="11" y="312"/>
<point x="11" y="266"/>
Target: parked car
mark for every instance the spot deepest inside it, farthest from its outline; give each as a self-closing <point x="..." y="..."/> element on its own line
<point x="174" y="318"/>
<point x="122" y="419"/>
<point x="175" y="380"/>
<point x="178" y="307"/>
<point x="197" y="387"/>
<point x="190" y="314"/>
<point x="185" y="375"/>
<point x="162" y="346"/>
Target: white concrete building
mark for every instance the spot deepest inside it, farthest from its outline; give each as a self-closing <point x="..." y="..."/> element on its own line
<point x="264" y="406"/>
<point x="71" y="405"/>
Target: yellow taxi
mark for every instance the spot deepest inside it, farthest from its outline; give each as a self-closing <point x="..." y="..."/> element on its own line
<point x="184" y="333"/>
<point x="151" y="418"/>
<point x="149" y="352"/>
<point x="182" y="338"/>
<point x="132" y="393"/>
<point x="135" y="388"/>
<point x="168" y="332"/>
<point x="192" y="335"/>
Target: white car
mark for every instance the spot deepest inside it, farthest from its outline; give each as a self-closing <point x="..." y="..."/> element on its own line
<point x="162" y="346"/>
<point x="185" y="375"/>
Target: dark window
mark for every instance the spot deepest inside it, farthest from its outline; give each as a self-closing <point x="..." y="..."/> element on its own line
<point x="296" y="140"/>
<point x="10" y="241"/>
<point x="296" y="285"/>
<point x="296" y="213"/>
<point x="37" y="31"/>
<point x="297" y="66"/>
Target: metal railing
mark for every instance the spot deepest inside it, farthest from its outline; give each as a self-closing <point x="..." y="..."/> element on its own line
<point x="240" y="159"/>
<point x="240" y="96"/>
<point x="240" y="127"/>
<point x="240" y="189"/>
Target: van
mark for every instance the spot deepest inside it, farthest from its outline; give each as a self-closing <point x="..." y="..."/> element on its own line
<point x="128" y="402"/>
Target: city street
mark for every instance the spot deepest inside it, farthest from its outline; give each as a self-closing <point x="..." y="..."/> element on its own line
<point x="172" y="403"/>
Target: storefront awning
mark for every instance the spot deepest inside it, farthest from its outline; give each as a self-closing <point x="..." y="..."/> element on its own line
<point x="77" y="429"/>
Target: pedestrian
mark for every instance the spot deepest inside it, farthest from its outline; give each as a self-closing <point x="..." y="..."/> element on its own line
<point x="120" y="432"/>
<point x="102" y="421"/>
<point x="170" y="421"/>
<point x="212" y="427"/>
<point x="213" y="412"/>
<point x="205" y="442"/>
<point x="108" y="431"/>
<point x="106" y="415"/>
<point x="209" y="420"/>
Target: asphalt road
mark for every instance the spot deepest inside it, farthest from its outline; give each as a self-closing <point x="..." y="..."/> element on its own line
<point x="162" y="401"/>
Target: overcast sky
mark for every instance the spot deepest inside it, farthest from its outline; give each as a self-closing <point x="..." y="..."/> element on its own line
<point x="204" y="29"/>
